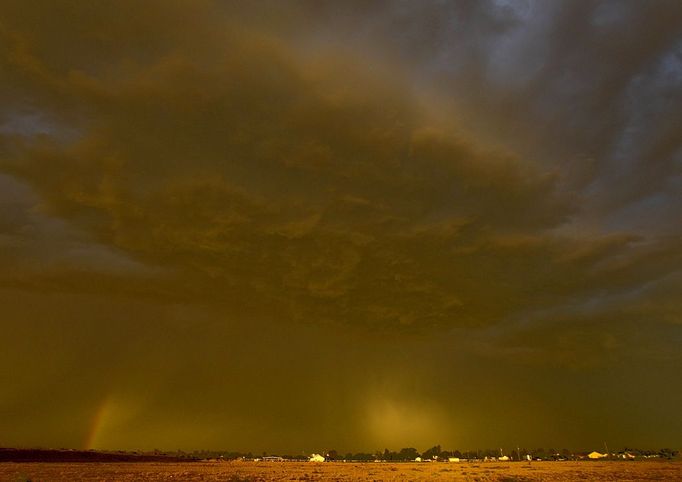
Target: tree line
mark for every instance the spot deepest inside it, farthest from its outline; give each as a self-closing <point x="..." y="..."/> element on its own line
<point x="433" y="453"/>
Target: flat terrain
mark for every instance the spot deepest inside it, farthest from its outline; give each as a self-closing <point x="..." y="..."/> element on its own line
<point x="266" y="471"/>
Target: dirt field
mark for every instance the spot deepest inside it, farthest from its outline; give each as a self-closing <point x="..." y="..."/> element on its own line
<point x="266" y="471"/>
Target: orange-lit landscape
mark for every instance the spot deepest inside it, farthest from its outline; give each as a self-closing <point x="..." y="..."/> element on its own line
<point x="271" y="471"/>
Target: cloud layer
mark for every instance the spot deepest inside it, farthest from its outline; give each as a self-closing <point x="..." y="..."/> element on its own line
<point x="502" y="174"/>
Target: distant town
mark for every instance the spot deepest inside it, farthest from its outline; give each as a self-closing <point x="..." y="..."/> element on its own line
<point x="434" y="454"/>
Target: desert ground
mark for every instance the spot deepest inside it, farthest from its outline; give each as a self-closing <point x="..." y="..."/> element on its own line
<point x="267" y="471"/>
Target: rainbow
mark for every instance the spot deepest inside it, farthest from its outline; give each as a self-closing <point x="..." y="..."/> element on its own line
<point x="97" y="423"/>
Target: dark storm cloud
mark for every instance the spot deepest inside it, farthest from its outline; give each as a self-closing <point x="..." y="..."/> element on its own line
<point x="566" y="82"/>
<point x="503" y="174"/>
<point x="284" y="178"/>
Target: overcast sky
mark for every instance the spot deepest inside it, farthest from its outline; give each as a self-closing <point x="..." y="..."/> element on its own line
<point x="298" y="226"/>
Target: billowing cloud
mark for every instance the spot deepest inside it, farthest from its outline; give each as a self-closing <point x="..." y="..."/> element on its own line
<point x="501" y="174"/>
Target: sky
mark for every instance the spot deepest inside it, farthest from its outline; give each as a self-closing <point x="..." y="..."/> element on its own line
<point x="312" y="225"/>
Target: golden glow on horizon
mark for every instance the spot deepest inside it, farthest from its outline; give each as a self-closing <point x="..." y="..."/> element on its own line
<point x="400" y="423"/>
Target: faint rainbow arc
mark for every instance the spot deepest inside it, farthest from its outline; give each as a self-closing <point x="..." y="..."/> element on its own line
<point x="97" y="422"/>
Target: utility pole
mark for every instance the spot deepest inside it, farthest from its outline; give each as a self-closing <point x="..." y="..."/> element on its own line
<point x="608" y="455"/>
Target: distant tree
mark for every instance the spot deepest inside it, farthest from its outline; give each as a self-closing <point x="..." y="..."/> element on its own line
<point x="445" y="454"/>
<point x="332" y="455"/>
<point x="457" y="454"/>
<point x="433" y="452"/>
<point x="668" y="453"/>
<point x="409" y="453"/>
<point x="389" y="455"/>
